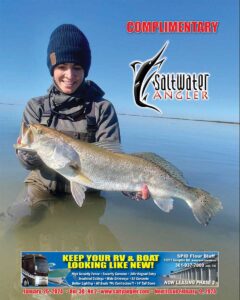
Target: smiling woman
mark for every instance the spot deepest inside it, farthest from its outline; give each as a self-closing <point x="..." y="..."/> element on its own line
<point x="68" y="77"/>
<point x="73" y="105"/>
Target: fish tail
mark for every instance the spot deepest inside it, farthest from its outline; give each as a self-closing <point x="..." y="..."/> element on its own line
<point x="204" y="205"/>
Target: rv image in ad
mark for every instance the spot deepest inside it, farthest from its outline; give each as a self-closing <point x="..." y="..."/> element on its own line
<point x="34" y="270"/>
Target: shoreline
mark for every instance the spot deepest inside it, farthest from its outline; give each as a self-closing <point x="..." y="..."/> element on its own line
<point x="181" y="119"/>
<point x="157" y="117"/>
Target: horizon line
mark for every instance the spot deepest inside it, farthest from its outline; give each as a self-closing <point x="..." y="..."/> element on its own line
<point x="157" y="117"/>
<point x="181" y="119"/>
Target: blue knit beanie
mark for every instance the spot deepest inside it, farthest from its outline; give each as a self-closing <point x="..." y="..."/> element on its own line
<point x="68" y="44"/>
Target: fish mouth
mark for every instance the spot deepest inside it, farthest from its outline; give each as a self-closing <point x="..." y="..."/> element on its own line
<point x="21" y="146"/>
<point x="24" y="142"/>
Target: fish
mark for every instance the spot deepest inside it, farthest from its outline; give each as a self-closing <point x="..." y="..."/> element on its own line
<point x="104" y="166"/>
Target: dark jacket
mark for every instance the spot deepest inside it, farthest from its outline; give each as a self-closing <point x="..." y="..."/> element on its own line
<point x="84" y="115"/>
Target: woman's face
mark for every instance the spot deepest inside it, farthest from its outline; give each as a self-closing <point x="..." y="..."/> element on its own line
<point x="68" y="77"/>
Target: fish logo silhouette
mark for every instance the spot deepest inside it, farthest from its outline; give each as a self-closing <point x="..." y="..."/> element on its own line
<point x="141" y="80"/>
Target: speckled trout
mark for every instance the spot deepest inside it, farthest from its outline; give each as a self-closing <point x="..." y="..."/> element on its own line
<point x="103" y="166"/>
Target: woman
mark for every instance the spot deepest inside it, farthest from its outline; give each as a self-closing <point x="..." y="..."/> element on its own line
<point x="73" y="105"/>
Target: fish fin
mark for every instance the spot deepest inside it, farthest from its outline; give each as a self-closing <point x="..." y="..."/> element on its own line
<point x="163" y="163"/>
<point x="83" y="178"/>
<point x="165" y="204"/>
<point x="78" y="192"/>
<point x="204" y="206"/>
<point x="112" y="146"/>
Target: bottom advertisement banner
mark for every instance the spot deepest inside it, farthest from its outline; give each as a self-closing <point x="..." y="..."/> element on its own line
<point x="120" y="272"/>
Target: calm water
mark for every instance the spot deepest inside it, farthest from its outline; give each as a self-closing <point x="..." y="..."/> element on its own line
<point x="207" y="153"/>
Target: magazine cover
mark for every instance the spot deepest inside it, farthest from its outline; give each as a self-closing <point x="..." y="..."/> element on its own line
<point x="119" y="153"/>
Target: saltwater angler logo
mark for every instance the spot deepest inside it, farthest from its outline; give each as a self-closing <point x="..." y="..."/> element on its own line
<point x="166" y="86"/>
